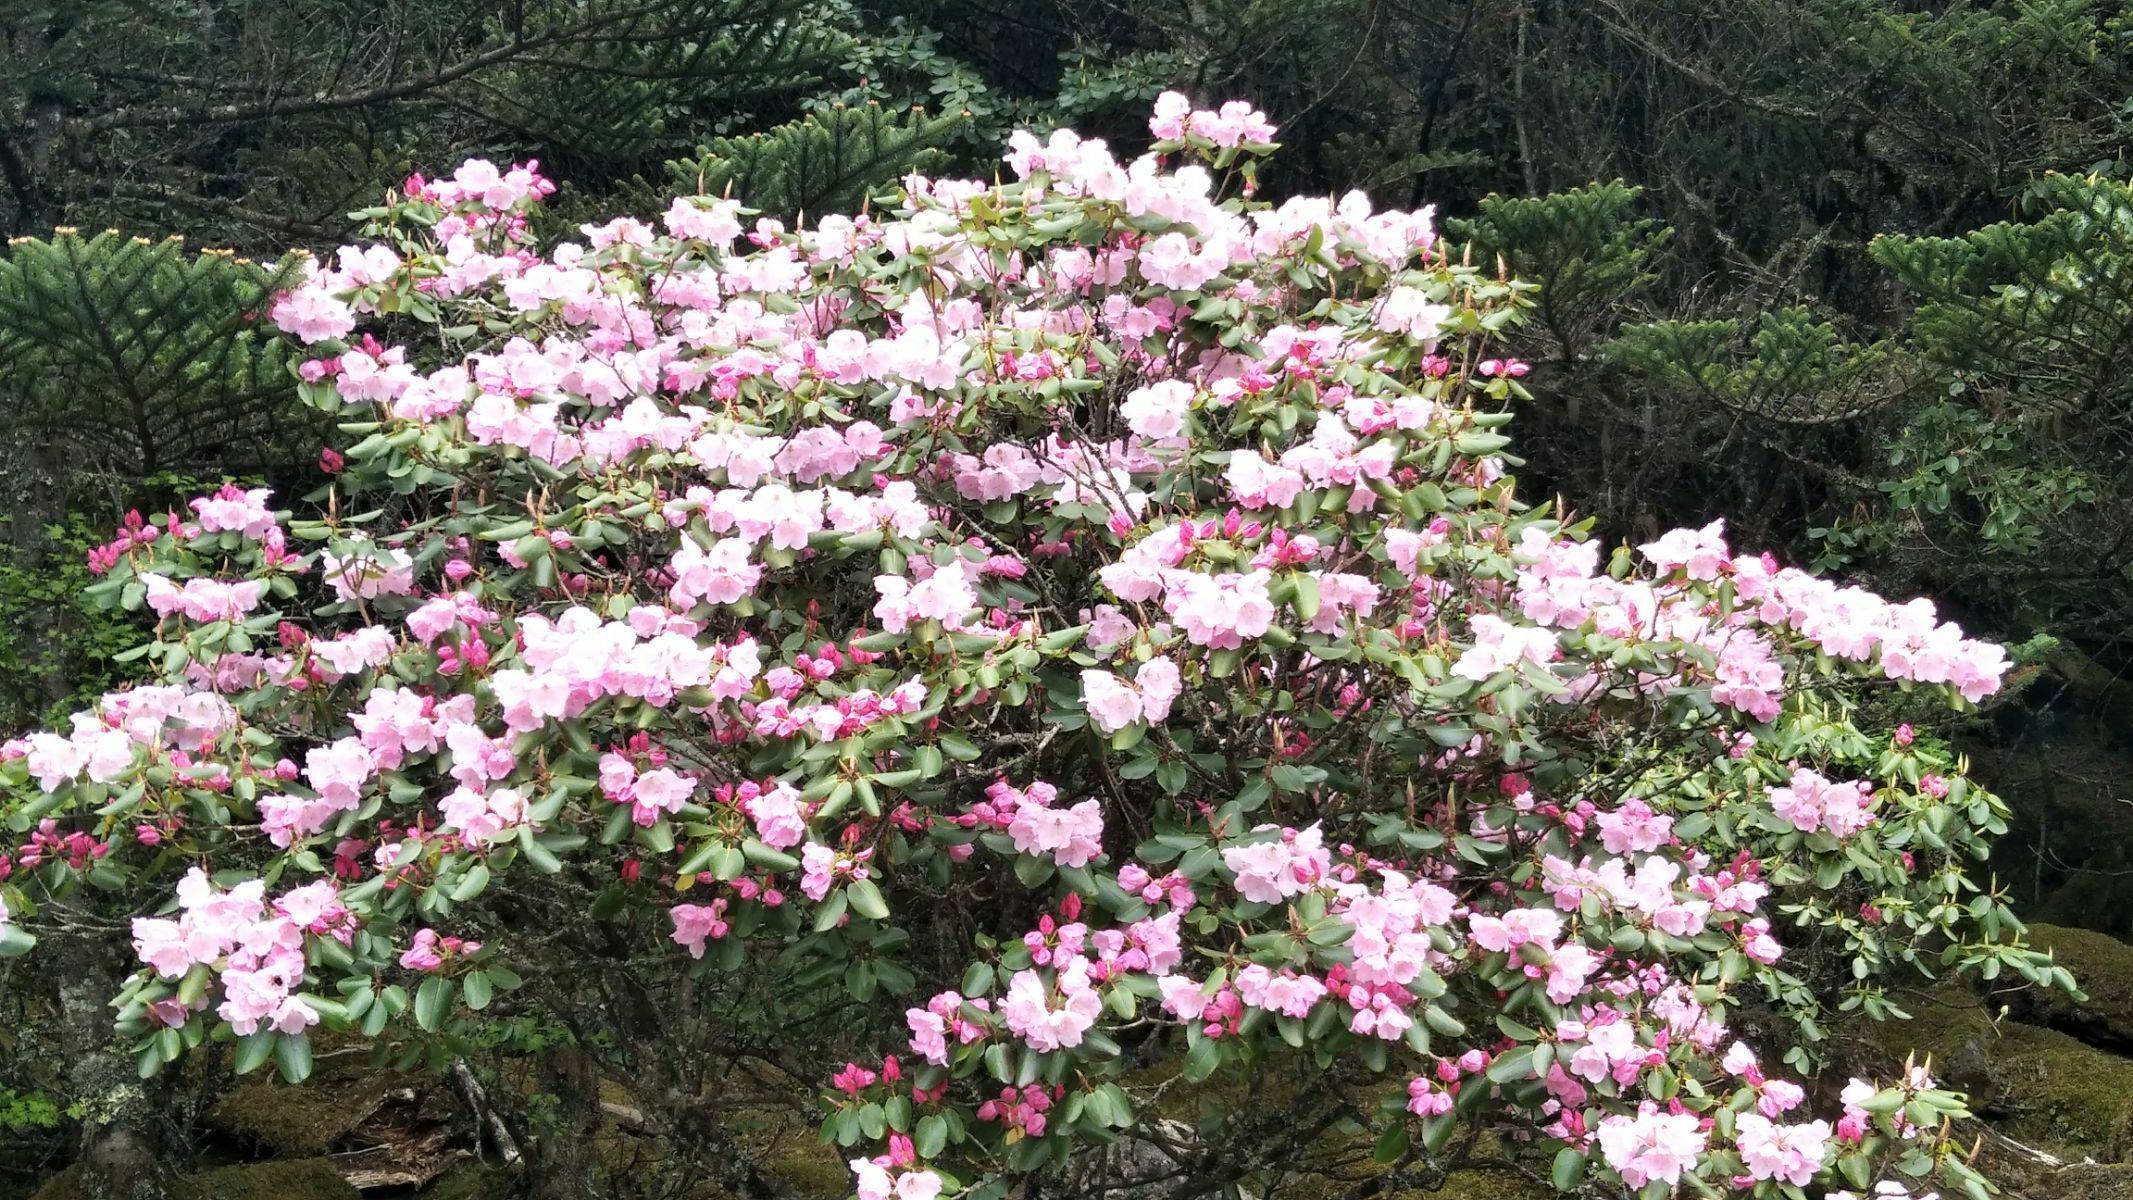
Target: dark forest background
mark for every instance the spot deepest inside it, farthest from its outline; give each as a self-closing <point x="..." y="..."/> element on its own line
<point x="1856" y="274"/>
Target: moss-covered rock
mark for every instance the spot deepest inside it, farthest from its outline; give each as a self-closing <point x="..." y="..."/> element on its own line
<point x="2041" y="1086"/>
<point x="64" y="1186"/>
<point x="788" y="1151"/>
<point x="1488" y="1183"/>
<point x="472" y="1180"/>
<point x="301" y="1121"/>
<point x="298" y="1179"/>
<point x="2103" y="966"/>
<point x="2084" y="1181"/>
<point x="75" y="1184"/>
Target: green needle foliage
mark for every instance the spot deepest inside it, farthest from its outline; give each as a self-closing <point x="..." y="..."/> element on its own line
<point x="827" y="161"/>
<point x="136" y="356"/>
<point x="1592" y="246"/>
<point x="2022" y="456"/>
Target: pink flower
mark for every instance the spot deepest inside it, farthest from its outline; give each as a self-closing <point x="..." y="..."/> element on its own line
<point x="854" y="1079"/>
<point x="721" y="574"/>
<point x="1792" y="1153"/>
<point x="1287" y="993"/>
<point x="1269" y="871"/>
<point x="312" y="315"/>
<point x="1158" y="410"/>
<point x="1701" y="553"/>
<point x="422" y="954"/>
<point x="705" y="219"/>
<point x="816" y="864"/>
<point x="1810" y="803"/>
<point x="1426" y="1099"/>
<point x="777" y="817"/>
<point x="872" y="1180"/>
<point x="1409" y="312"/>
<point x="1633" y="828"/>
<point x="1054" y="1016"/>
<point x="1221" y="612"/>
<point x="1114" y="703"/>
<point x="946" y="596"/>
<point x="1651" y="1146"/>
<point x="694" y="924"/>
<point x="1172" y="261"/>
<point x="1071" y="836"/>
<point x="1500" y="645"/>
<point x="367" y="572"/>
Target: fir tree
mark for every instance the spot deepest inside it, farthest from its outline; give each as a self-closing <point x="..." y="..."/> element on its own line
<point x="138" y="356"/>
<point x="2018" y="464"/>
<point x="829" y="160"/>
<point x="1590" y="249"/>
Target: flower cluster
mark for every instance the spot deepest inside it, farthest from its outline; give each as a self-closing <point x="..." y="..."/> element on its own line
<point x="1100" y="582"/>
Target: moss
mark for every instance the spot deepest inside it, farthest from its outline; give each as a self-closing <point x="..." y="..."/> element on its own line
<point x="2042" y="1086"/>
<point x="297" y="1122"/>
<point x="2103" y="967"/>
<point x="73" y="1184"/>
<point x="787" y="1150"/>
<point x="63" y="1186"/>
<point x="1472" y="1183"/>
<point x="471" y="1181"/>
<point x="2084" y="1181"/>
<point x="299" y="1179"/>
<point x="1483" y="1183"/>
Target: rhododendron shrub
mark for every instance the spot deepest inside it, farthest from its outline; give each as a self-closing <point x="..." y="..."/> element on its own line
<point x="1080" y="634"/>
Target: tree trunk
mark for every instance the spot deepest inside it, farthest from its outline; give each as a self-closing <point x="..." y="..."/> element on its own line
<point x="34" y="493"/>
<point x="120" y="1155"/>
<point x="562" y="1158"/>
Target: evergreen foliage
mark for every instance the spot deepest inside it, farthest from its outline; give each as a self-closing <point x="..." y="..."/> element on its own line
<point x="634" y="94"/>
<point x="137" y="356"/>
<point x="1789" y="366"/>
<point x="260" y="125"/>
<point x="827" y="161"/>
<point x="1858" y="278"/>
<point x="1592" y="245"/>
<point x="2018" y="460"/>
<point x="46" y="592"/>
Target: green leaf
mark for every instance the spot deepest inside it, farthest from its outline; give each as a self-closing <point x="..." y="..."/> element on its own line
<point x="1391" y="1144"/>
<point x="1307" y="598"/>
<point x="292" y="1053"/>
<point x="542" y="859"/>
<point x="767" y="858"/>
<point x="471" y="883"/>
<point x="432" y="1000"/>
<point x="1202" y="1059"/>
<point x="866" y="900"/>
<point x="831" y="912"/>
<point x="15" y="941"/>
<point x="253" y="1050"/>
<point x="1567" y="1169"/>
<point x="1512" y="1065"/>
<point x="931" y="1137"/>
